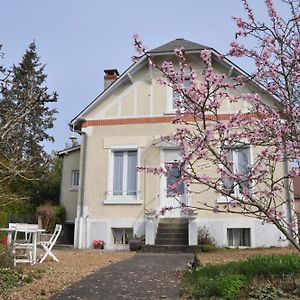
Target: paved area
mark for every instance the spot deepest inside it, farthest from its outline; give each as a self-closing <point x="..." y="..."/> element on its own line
<point x="144" y="276"/>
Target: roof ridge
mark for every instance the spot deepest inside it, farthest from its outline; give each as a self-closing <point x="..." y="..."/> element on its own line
<point x="178" y="43"/>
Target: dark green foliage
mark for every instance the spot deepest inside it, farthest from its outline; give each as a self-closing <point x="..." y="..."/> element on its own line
<point x="227" y="280"/>
<point x="25" y="118"/>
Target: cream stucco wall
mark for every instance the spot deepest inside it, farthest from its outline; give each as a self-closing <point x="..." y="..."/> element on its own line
<point x="139" y="96"/>
<point x="68" y="196"/>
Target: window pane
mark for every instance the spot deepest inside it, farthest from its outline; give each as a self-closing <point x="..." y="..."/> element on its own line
<point x="132" y="173"/>
<point x="228" y="183"/>
<point x="243" y="163"/>
<point x="177" y="95"/>
<point x="172" y="177"/>
<point x="75" y="178"/>
<point x="118" y="173"/>
<point x="238" y="237"/>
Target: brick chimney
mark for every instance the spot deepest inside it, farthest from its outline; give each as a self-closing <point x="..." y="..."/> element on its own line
<point x="110" y="76"/>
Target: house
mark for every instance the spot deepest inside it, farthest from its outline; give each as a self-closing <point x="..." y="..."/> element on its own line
<point x="69" y="188"/>
<point x="121" y="129"/>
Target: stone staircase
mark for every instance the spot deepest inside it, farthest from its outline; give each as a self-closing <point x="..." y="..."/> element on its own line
<point x="172" y="236"/>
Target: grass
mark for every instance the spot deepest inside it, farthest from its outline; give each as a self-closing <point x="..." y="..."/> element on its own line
<point x="14" y="276"/>
<point x="228" y="281"/>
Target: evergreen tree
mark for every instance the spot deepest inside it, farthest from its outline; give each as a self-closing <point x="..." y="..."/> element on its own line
<point x="25" y="117"/>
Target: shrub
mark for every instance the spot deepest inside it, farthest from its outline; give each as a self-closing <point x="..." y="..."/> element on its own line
<point x="204" y="237"/>
<point x="51" y="215"/>
<point x="6" y="259"/>
<point x="229" y="286"/>
<point x="208" y="247"/>
<point x="3" y="223"/>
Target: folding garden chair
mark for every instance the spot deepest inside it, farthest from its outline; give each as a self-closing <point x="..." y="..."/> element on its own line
<point x="23" y="246"/>
<point x="48" y="245"/>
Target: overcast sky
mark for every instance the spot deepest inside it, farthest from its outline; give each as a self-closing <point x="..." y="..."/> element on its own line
<point x="78" y="39"/>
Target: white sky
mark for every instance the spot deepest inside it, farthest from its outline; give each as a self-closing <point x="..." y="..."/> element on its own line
<point x="78" y="39"/>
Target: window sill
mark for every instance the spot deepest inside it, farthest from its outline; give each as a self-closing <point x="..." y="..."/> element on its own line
<point x="122" y="200"/>
<point x="170" y="112"/>
<point x="73" y="189"/>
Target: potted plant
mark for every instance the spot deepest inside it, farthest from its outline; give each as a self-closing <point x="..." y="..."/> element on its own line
<point x="98" y="244"/>
<point x="135" y="243"/>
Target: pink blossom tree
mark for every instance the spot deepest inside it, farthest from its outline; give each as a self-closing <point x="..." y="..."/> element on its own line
<point x="259" y="186"/>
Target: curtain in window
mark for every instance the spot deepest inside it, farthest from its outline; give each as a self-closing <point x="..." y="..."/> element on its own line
<point x="118" y="236"/>
<point x="132" y="173"/>
<point x="228" y="183"/>
<point x="118" y="173"/>
<point x="243" y="162"/>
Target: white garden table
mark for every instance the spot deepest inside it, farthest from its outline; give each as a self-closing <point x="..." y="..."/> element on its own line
<point x="31" y="229"/>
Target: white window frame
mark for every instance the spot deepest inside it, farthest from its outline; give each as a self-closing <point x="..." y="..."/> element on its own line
<point x="74" y="174"/>
<point x="121" y="199"/>
<point x="226" y="199"/>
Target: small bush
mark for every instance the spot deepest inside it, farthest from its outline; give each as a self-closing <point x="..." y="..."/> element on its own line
<point x="51" y="215"/>
<point x="229" y="286"/>
<point x="6" y="259"/>
<point x="208" y="247"/>
<point x="204" y="236"/>
<point x="3" y="223"/>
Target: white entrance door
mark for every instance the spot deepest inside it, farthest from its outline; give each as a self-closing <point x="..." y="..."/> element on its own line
<point x="171" y="201"/>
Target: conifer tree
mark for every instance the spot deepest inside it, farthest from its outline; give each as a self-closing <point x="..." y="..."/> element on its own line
<point x="25" y="117"/>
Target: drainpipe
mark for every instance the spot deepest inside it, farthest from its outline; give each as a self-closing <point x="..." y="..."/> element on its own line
<point x="82" y="168"/>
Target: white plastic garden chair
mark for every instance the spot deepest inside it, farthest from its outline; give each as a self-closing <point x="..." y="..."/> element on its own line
<point x="23" y="246"/>
<point x="48" y="245"/>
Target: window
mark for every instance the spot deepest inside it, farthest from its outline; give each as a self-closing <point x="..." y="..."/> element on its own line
<point x="238" y="237"/>
<point x="124" y="173"/>
<point x="122" y="235"/>
<point x="75" y="179"/>
<point x="172" y="177"/>
<point x="176" y="96"/>
<point x="241" y="161"/>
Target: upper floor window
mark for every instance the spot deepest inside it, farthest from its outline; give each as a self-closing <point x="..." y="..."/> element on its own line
<point x="177" y="97"/>
<point x="75" y="179"/>
<point x="124" y="173"/>
<point x="240" y="158"/>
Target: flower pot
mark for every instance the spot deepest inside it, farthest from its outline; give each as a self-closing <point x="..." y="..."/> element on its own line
<point x="135" y="245"/>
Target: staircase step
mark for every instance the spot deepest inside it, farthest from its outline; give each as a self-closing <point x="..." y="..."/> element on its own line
<point x="172" y="230"/>
<point x="166" y="241"/>
<point x="173" y="225"/>
<point x="172" y="235"/>
<point x="169" y="248"/>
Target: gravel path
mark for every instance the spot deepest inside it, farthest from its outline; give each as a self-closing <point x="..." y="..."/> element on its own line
<point x="144" y="276"/>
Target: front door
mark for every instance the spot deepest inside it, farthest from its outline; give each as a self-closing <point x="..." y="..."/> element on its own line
<point x="173" y="195"/>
